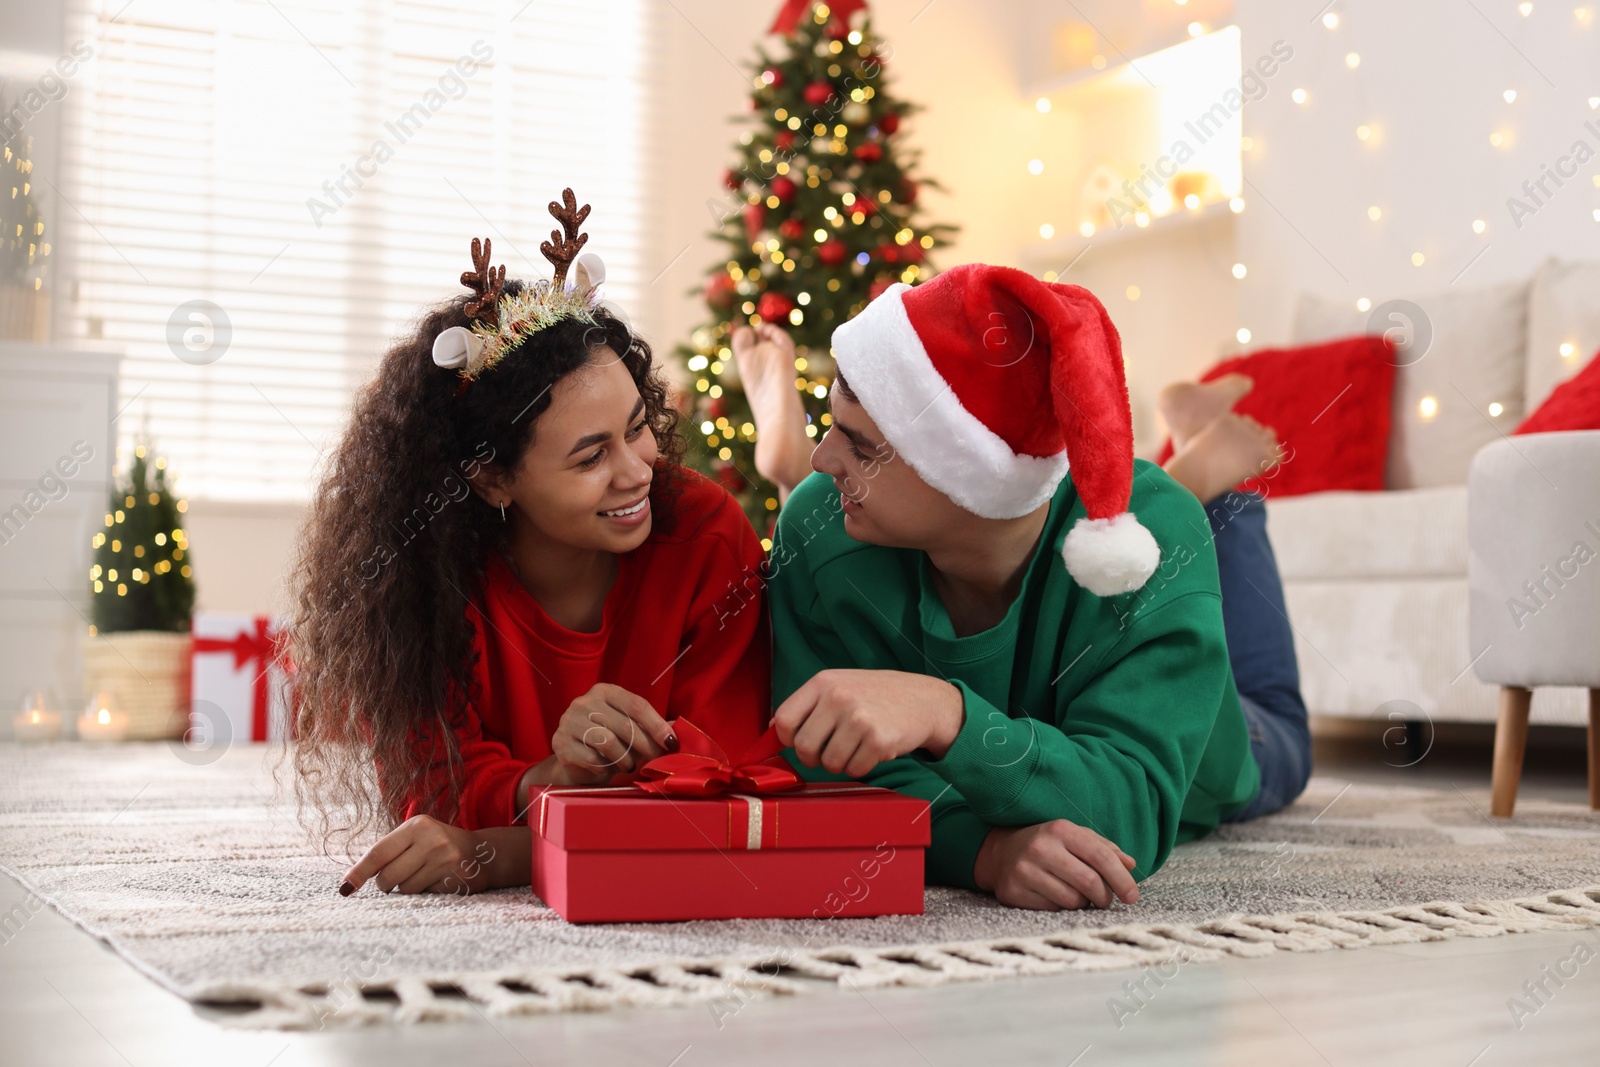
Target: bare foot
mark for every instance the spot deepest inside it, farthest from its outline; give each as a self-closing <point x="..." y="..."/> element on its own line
<point x="765" y="359"/>
<point x="1189" y="407"/>
<point x="1234" y="447"/>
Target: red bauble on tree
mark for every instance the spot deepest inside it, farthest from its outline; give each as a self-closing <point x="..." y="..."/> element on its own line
<point x="716" y="407"/>
<point x="784" y="141"/>
<point x="720" y="290"/>
<point x="864" y="206"/>
<point x="871" y="152"/>
<point x="887" y="253"/>
<point x="908" y="192"/>
<point x="774" y="307"/>
<point x="732" y="178"/>
<point x="818" y="93"/>
<point x="755" y="217"/>
<point x="784" y="189"/>
<point x="911" y="252"/>
<point x="773" y="77"/>
<point x="890" y="122"/>
<point x="832" y="252"/>
<point x="791" y="229"/>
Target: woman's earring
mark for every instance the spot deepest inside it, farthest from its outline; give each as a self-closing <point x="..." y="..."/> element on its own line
<point x="502" y="511"/>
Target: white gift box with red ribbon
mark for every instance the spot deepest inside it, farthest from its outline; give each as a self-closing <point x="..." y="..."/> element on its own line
<point x="236" y="679"/>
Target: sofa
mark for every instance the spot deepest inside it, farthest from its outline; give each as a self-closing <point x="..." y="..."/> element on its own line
<point x="1376" y="583"/>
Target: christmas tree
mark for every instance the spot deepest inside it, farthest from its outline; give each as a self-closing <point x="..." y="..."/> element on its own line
<point x="820" y="217"/>
<point x="22" y="246"/>
<point x="142" y="578"/>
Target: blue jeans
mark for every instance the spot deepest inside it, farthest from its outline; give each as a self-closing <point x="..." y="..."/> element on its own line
<point x="1261" y="650"/>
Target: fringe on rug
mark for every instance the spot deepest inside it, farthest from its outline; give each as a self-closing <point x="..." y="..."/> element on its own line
<point x="727" y="985"/>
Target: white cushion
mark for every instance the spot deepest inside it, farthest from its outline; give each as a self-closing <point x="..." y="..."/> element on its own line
<point x="1407" y="533"/>
<point x="1474" y="357"/>
<point x="1563" y="309"/>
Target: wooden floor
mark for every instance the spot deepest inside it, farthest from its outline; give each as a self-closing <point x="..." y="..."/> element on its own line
<point x="65" y="1000"/>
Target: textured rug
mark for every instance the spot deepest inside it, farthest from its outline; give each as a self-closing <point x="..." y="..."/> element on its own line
<point x="198" y="879"/>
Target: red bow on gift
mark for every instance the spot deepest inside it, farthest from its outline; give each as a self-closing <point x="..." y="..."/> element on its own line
<point x="261" y="645"/>
<point x="701" y="769"/>
<point x="789" y="14"/>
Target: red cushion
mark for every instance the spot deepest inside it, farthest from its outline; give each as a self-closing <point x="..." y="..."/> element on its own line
<point x="1574" y="405"/>
<point x="1328" y="403"/>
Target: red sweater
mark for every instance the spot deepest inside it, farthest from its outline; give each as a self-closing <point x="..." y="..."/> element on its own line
<point x="685" y="627"/>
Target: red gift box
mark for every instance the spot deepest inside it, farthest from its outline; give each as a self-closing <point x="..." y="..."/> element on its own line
<point x="237" y="687"/>
<point x="643" y="853"/>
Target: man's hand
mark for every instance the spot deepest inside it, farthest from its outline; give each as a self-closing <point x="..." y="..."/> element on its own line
<point x="425" y="855"/>
<point x="606" y="732"/>
<point x="849" y="721"/>
<point x="1053" y="866"/>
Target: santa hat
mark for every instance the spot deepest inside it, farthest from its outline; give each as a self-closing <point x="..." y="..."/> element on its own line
<point x="989" y="382"/>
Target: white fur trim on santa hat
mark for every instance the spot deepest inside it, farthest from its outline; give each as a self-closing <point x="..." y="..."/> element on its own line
<point x="888" y="369"/>
<point x="1110" y="556"/>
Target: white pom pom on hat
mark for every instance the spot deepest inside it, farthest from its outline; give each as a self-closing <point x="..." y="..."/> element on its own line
<point x="988" y="382"/>
<point x="1110" y="556"/>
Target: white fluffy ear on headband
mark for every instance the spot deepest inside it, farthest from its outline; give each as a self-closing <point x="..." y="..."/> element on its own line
<point x="1110" y="556"/>
<point x="456" y="347"/>
<point x="590" y="270"/>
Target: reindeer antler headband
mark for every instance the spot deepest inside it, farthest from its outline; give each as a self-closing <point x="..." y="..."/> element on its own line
<point x="499" y="322"/>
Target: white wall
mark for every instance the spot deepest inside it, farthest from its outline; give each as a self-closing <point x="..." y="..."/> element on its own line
<point x="241" y="554"/>
<point x="1430" y="86"/>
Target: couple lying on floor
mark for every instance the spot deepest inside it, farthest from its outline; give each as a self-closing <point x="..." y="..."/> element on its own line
<point x="510" y="580"/>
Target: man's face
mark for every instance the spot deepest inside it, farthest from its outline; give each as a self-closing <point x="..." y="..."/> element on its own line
<point x="885" y="501"/>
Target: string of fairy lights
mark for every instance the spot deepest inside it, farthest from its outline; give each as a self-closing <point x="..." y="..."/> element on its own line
<point x="1501" y="136"/>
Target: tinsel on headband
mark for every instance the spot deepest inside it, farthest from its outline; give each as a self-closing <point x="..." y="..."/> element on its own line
<point x="501" y="322"/>
<point x="536" y="307"/>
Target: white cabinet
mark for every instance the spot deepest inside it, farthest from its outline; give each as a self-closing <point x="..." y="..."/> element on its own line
<point x="57" y="448"/>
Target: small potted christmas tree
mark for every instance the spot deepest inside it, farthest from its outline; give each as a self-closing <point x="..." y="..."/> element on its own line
<point x="24" y="301"/>
<point x="142" y="597"/>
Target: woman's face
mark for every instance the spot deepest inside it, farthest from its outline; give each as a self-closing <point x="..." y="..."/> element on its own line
<point x="585" y="479"/>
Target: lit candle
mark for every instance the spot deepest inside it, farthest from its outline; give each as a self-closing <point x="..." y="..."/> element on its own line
<point x="101" y="721"/>
<point x="36" y="721"/>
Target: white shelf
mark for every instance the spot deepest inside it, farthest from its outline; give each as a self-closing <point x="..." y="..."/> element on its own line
<point x="1058" y="84"/>
<point x="1058" y="252"/>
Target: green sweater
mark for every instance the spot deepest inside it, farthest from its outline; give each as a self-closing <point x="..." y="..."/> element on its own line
<point x="1118" y="714"/>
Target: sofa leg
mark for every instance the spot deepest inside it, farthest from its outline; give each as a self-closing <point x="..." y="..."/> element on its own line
<point x="1510" y="741"/>
<point x="1594" y="749"/>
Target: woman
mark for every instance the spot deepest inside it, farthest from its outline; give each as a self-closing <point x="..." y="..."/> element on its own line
<point x="508" y="580"/>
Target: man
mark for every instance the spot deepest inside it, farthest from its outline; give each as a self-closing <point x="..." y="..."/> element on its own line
<point x="957" y="618"/>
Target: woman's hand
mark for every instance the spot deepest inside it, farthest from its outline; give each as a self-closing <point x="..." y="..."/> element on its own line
<point x="606" y="732"/>
<point x="1053" y="866"/>
<point x="849" y="721"/>
<point x="424" y="855"/>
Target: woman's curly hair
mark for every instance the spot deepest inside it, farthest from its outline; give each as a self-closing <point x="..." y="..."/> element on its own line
<point x="393" y="550"/>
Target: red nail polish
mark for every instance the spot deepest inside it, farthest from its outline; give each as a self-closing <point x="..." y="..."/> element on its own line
<point x="672" y="742"/>
<point x="347" y="888"/>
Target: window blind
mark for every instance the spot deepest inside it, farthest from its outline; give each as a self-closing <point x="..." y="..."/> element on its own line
<point x="316" y="171"/>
